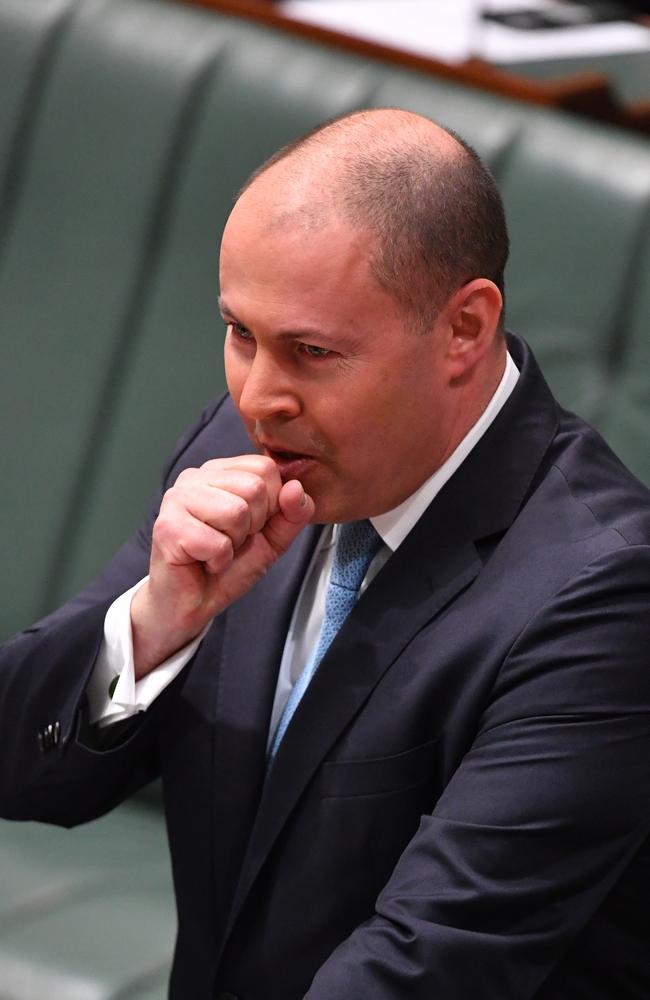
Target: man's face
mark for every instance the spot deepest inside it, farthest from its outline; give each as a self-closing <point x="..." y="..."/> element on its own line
<point x="328" y="378"/>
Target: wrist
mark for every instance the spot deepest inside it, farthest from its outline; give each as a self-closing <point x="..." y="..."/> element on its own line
<point x="157" y="634"/>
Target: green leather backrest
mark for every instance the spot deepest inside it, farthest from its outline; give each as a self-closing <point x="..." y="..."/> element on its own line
<point x="626" y="420"/>
<point x="142" y="125"/>
<point x="578" y="201"/>
<point x="28" y="41"/>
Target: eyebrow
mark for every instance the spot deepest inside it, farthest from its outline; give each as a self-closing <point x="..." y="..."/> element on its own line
<point x="223" y="308"/>
<point x="299" y="333"/>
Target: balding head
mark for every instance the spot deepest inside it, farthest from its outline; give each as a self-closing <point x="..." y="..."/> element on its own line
<point x="336" y="250"/>
<point x="432" y="212"/>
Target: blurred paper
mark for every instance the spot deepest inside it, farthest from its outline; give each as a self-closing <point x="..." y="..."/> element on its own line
<point x="453" y="30"/>
<point x="441" y="28"/>
<point x="500" y="44"/>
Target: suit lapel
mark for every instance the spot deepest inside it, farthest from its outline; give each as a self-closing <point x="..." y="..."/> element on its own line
<point x="252" y="640"/>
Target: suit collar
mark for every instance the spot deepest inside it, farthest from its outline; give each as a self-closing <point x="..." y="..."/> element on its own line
<point x="394" y="525"/>
<point x="491" y="486"/>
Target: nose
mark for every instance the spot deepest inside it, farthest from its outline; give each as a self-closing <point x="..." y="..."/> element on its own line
<point x="267" y="390"/>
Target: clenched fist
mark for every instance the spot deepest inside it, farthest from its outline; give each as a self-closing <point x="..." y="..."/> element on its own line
<point x="219" y="529"/>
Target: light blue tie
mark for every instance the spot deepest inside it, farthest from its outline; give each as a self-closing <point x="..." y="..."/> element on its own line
<point x="357" y="544"/>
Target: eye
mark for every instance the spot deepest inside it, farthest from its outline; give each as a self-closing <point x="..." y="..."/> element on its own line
<point x="315" y="352"/>
<point x="240" y="331"/>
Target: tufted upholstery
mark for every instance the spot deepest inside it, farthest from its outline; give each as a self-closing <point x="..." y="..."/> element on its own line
<point x="126" y="128"/>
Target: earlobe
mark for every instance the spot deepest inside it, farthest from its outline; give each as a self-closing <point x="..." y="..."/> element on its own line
<point x="473" y="315"/>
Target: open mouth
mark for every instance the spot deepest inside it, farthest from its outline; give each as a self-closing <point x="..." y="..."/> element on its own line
<point x="285" y="456"/>
<point x="291" y="464"/>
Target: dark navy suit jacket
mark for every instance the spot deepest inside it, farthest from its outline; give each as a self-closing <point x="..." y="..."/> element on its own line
<point x="460" y="807"/>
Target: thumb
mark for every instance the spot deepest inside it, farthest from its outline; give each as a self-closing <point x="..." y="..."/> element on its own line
<point x="296" y="510"/>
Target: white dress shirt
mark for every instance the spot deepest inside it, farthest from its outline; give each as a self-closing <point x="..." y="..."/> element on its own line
<point x="115" y="659"/>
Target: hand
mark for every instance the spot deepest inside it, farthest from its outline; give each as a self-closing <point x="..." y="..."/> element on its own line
<point x="219" y="529"/>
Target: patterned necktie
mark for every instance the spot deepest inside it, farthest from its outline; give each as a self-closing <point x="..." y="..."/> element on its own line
<point x="357" y="544"/>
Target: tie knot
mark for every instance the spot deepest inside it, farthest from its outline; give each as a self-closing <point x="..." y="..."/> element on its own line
<point x="356" y="546"/>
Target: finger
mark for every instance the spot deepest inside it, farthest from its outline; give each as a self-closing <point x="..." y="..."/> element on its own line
<point x="238" y="503"/>
<point x="219" y="509"/>
<point x="194" y="542"/>
<point x="259" y="465"/>
<point x="253" y="489"/>
<point x="296" y="510"/>
<point x="296" y="505"/>
<point x="253" y="477"/>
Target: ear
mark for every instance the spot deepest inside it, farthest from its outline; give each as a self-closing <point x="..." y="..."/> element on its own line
<point x="471" y="317"/>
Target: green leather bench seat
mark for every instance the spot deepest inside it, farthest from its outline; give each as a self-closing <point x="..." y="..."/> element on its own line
<point x="86" y="914"/>
<point x="126" y="129"/>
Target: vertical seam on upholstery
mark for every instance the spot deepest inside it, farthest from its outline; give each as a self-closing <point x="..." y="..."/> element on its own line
<point x="618" y="336"/>
<point x="154" y="242"/>
<point x="11" y="185"/>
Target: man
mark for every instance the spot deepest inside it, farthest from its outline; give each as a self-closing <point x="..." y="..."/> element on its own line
<point x="441" y="789"/>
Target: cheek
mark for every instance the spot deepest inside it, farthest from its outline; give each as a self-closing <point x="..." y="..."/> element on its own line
<point x="340" y="418"/>
<point x="392" y="418"/>
<point x="360" y="437"/>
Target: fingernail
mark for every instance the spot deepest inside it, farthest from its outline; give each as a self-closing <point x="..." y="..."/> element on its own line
<point x="303" y="498"/>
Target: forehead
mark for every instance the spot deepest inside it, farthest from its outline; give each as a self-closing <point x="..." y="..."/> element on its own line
<point x="267" y="210"/>
<point x="290" y="255"/>
<point x="294" y="254"/>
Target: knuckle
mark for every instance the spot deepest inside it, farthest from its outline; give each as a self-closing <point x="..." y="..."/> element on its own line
<point x="253" y="488"/>
<point x="194" y="539"/>
<point x="185" y="476"/>
<point x="164" y="503"/>
<point x="269" y="466"/>
<point x="164" y="531"/>
<point x="172" y="504"/>
<point x="257" y="489"/>
<point x="212" y="467"/>
<point x="239" y="513"/>
<point x="223" y="547"/>
<point x="264" y="464"/>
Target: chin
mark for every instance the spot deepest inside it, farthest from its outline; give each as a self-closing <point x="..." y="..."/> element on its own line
<point x="329" y="511"/>
<point x="336" y="502"/>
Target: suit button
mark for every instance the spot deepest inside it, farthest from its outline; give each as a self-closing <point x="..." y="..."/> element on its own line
<point x="49" y="736"/>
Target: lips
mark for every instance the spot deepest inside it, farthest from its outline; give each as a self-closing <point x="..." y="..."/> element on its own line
<point x="291" y="464"/>
<point x="280" y="451"/>
<point x="280" y="455"/>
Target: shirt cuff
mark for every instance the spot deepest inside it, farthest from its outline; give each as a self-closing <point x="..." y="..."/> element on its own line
<point x="113" y="692"/>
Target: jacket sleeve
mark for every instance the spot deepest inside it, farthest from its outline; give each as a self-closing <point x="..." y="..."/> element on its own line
<point x="49" y="769"/>
<point x="540" y="819"/>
